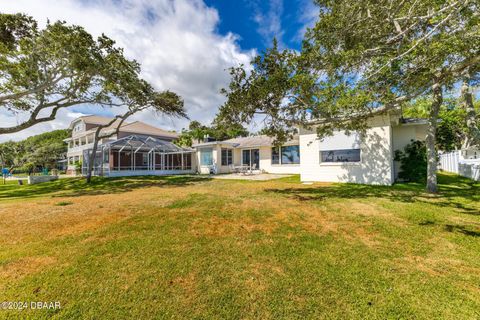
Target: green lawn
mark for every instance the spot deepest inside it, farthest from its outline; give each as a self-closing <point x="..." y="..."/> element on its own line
<point x="191" y="247"/>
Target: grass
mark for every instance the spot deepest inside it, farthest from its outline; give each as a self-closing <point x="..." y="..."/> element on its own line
<point x="190" y="247"/>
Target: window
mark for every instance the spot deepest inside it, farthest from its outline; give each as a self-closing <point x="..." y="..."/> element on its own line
<point x="286" y="155"/>
<point x="206" y="158"/>
<point x="275" y="155"/>
<point x="227" y="157"/>
<point x="291" y="155"/>
<point x="187" y="161"/>
<point x="345" y="155"/>
<point x="145" y="158"/>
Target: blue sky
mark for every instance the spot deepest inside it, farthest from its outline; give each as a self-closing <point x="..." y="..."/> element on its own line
<point x="257" y="22"/>
<point x="186" y="46"/>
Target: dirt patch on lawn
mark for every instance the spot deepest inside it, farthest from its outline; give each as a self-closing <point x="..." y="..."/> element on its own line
<point x="368" y="210"/>
<point x="268" y="215"/>
<point x="31" y="220"/>
<point x="25" y="266"/>
<point x="442" y="260"/>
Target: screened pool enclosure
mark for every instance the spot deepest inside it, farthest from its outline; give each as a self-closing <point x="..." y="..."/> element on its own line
<point x="139" y="155"/>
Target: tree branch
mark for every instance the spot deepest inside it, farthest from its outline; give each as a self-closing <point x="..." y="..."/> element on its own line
<point x="45" y="85"/>
<point x="425" y="37"/>
<point x="32" y="120"/>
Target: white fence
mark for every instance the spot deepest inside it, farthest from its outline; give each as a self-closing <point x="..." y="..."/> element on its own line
<point x="454" y="162"/>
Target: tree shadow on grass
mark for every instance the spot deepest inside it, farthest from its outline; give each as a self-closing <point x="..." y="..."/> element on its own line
<point x="74" y="187"/>
<point x="462" y="229"/>
<point x="455" y="192"/>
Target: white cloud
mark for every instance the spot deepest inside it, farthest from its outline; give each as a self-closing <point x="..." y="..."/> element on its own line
<point x="308" y="16"/>
<point x="270" y="22"/>
<point x="175" y="42"/>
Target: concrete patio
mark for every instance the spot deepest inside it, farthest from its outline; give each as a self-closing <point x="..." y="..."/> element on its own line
<point x="257" y="177"/>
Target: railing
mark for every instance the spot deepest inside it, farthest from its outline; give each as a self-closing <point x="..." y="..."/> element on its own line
<point x="81" y="148"/>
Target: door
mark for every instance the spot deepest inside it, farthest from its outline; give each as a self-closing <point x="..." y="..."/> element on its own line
<point x="255" y="158"/>
<point x="250" y="157"/>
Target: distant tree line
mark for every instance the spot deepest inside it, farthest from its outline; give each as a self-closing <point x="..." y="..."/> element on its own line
<point x="34" y="153"/>
<point x="198" y="132"/>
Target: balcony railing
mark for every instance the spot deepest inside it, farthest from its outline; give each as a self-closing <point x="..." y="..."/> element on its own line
<point x="80" y="148"/>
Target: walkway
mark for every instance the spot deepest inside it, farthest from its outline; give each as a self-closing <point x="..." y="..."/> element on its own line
<point x="258" y="177"/>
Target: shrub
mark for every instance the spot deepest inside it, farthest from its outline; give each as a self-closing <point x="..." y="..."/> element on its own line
<point x="78" y="166"/>
<point x="413" y="161"/>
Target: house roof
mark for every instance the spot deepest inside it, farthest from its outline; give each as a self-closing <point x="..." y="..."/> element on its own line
<point x="249" y="142"/>
<point x="139" y="127"/>
<point x="418" y="121"/>
<point x="136" y="127"/>
<point x="92" y="120"/>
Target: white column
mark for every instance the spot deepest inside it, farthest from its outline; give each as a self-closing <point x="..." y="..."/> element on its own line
<point x="131" y="159"/>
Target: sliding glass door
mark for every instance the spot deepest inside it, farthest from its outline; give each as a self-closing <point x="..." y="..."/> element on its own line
<point x="251" y="157"/>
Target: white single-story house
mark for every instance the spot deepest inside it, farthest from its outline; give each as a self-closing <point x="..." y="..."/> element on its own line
<point x="355" y="158"/>
<point x="367" y="159"/>
<point x="257" y="152"/>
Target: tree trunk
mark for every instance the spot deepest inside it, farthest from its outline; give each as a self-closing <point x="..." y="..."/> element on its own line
<point x="431" y="138"/>
<point x="473" y="132"/>
<point x="92" y="156"/>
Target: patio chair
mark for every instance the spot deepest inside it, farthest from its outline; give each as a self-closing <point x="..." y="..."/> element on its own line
<point x="243" y="169"/>
<point x="233" y="169"/>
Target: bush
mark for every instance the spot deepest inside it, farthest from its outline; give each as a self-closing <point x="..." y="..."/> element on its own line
<point x="78" y="166"/>
<point x="413" y="161"/>
<point x="29" y="168"/>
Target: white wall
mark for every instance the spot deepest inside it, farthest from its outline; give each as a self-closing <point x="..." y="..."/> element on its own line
<point x="375" y="166"/>
<point x="403" y="134"/>
<point x="266" y="162"/>
<point x="206" y="169"/>
<point x="377" y="153"/>
<point x="41" y="179"/>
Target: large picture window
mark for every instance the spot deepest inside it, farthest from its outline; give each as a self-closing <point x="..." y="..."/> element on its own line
<point x="286" y="155"/>
<point x="291" y="155"/>
<point x="345" y="155"/>
<point x="227" y="157"/>
<point x="206" y="158"/>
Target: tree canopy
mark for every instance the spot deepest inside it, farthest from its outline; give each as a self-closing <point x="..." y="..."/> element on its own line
<point x="44" y="70"/>
<point x="452" y="129"/>
<point x="42" y="150"/>
<point x="360" y="59"/>
<point x="197" y="132"/>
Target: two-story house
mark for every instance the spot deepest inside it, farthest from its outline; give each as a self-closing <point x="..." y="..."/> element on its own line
<point x="83" y="132"/>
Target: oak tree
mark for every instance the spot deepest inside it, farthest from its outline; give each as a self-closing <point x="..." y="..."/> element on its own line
<point x="361" y="58"/>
